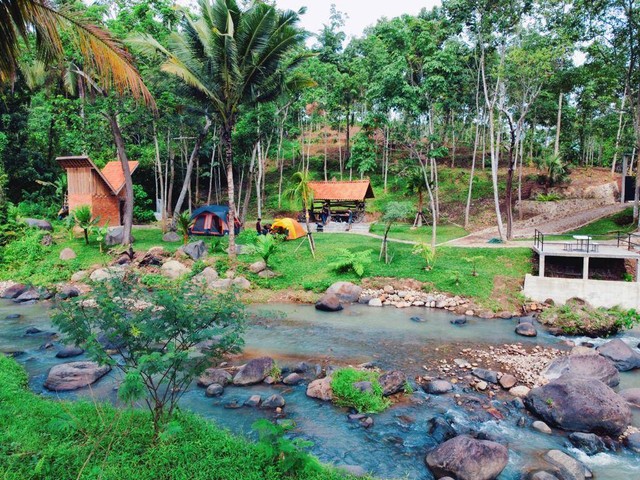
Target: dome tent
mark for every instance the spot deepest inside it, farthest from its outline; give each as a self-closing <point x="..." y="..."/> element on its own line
<point x="212" y="220"/>
<point x="292" y="228"/>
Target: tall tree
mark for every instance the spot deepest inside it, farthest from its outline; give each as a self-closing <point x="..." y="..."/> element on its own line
<point x="229" y="57"/>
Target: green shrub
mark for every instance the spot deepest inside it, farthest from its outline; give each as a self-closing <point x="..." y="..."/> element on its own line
<point x="143" y="211"/>
<point x="346" y="395"/>
<point x="548" y="197"/>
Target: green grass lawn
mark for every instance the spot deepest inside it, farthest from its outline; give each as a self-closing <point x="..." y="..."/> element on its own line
<point x="444" y="233"/>
<point x="45" y="439"/>
<point x="452" y="271"/>
<point x="296" y="269"/>
<point x="620" y="222"/>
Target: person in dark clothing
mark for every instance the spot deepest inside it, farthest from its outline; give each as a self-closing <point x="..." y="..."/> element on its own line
<point x="324" y="215"/>
<point x="259" y="227"/>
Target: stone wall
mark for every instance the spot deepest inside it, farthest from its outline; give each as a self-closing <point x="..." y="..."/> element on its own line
<point x="575" y="200"/>
<point x="599" y="293"/>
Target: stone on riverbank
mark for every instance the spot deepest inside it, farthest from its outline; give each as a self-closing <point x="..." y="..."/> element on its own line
<point x="392" y="382"/>
<point x="214" y="375"/>
<point x="14" y="291"/>
<point x="621" y="354"/>
<point x="255" y="371"/>
<point x="466" y="458"/>
<point x="75" y="375"/>
<point x="486" y="375"/>
<point x="583" y="366"/>
<point x="541" y="427"/>
<point x="321" y="389"/>
<point x="329" y="303"/>
<point x="580" y="405"/>
<point x="345" y="291"/>
<point x="589" y="443"/>
<point x="30" y="295"/>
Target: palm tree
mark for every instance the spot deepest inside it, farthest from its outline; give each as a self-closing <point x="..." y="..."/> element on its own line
<point x="227" y="58"/>
<point x="301" y="191"/>
<point x="103" y="55"/>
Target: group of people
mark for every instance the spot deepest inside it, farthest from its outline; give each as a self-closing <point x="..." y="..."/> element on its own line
<point x="326" y="215"/>
<point x="262" y="229"/>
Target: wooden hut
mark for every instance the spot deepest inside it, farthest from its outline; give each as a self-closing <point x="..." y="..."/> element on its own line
<point x="103" y="190"/>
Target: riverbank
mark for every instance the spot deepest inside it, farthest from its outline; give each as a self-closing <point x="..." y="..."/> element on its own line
<point x="47" y="439"/>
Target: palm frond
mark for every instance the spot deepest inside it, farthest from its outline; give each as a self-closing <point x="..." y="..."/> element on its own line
<point x="101" y="52"/>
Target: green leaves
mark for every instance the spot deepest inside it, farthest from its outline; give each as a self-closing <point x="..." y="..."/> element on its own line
<point x="347" y="261"/>
<point x="345" y="394"/>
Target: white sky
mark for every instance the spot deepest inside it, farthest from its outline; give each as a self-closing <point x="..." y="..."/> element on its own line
<point x="361" y="13"/>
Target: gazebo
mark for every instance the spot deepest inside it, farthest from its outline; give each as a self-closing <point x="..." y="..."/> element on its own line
<point x="341" y="197"/>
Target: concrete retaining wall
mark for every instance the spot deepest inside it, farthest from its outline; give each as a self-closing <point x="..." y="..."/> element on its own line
<point x="599" y="293"/>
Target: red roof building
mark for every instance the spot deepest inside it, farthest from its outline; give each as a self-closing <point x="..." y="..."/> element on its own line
<point x="102" y="190"/>
<point x="342" y="191"/>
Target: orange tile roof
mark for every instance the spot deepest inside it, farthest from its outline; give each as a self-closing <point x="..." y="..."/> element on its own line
<point x="356" y="190"/>
<point x="114" y="174"/>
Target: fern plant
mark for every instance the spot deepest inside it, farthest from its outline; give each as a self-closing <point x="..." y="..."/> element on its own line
<point x="347" y="261"/>
<point x="265" y="246"/>
<point x="83" y="218"/>
<point x="183" y="223"/>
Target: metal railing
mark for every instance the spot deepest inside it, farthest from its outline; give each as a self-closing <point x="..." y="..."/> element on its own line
<point x="586" y="243"/>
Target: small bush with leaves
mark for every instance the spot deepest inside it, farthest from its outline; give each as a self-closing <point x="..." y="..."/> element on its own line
<point x="85" y="220"/>
<point x="427" y="253"/>
<point x="346" y="395"/>
<point x="548" y="197"/>
<point x="142" y="206"/>
<point x="347" y="261"/>
<point x="287" y="455"/>
<point x="183" y="224"/>
<point x="155" y="332"/>
<point x="474" y="263"/>
<point x="266" y="246"/>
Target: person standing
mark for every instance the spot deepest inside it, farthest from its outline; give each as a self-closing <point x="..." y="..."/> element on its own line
<point x="259" y="226"/>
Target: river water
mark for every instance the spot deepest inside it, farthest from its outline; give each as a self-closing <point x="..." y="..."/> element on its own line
<point x="396" y="445"/>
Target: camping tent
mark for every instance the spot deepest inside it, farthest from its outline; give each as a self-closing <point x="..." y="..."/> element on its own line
<point x="293" y="229"/>
<point x="211" y="220"/>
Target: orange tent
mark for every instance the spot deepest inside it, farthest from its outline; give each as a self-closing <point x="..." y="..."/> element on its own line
<point x="292" y="228"/>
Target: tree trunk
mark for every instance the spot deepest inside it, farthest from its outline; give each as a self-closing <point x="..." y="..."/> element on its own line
<point x="473" y="169"/>
<point x="556" y="148"/>
<point x="128" y="182"/>
<point x="618" y="135"/>
<point x="510" y="170"/>
<point x="187" y="176"/>
<point x="228" y="153"/>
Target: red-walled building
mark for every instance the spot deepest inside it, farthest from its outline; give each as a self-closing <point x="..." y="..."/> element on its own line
<point x="103" y="190"/>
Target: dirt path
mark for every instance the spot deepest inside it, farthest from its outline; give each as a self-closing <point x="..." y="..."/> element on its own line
<point x="526" y="229"/>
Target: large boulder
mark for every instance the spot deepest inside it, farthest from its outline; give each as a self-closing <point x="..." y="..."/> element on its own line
<point x="580" y="405"/>
<point x="582" y="366"/>
<point x="329" y="303"/>
<point x="214" y="375"/>
<point x="622" y="355"/>
<point x="466" y="458"/>
<point x="103" y="274"/>
<point x="570" y="468"/>
<point x="15" y="290"/>
<point x="631" y="396"/>
<point x="258" y="266"/>
<point x="345" y="291"/>
<point x="67" y="254"/>
<point x="114" y="236"/>
<point x="526" y="330"/>
<point x="254" y="371"/>
<point x="392" y="382"/>
<point x="589" y="443"/>
<point x="38" y="223"/>
<point x="321" y="389"/>
<point x="174" y="269"/>
<point x="196" y="250"/>
<point x="71" y="376"/>
<point x="206" y="276"/>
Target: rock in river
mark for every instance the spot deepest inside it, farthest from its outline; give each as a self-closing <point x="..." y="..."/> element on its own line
<point x="589" y="443"/>
<point x="71" y="376"/>
<point x="438" y="387"/>
<point x="321" y="389"/>
<point x="254" y="371"/>
<point x="570" y="468"/>
<point x="622" y="355"/>
<point x="392" y="382"/>
<point x="526" y="330"/>
<point x="466" y="458"/>
<point x="632" y="396"/>
<point x="583" y="366"/>
<point x="329" y="303"/>
<point x="68" y="352"/>
<point x="580" y="405"/>
<point x="214" y="375"/>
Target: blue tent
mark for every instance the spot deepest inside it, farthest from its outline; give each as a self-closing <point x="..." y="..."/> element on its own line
<point x="212" y="220"/>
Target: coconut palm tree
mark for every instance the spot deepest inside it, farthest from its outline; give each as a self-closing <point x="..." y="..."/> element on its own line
<point x="301" y="191"/>
<point x="102" y="54"/>
<point x="228" y="57"/>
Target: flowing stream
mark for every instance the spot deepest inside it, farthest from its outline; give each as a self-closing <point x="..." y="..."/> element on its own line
<point x="396" y="445"/>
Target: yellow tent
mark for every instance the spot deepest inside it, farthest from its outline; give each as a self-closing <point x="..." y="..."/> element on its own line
<point x="293" y="228"/>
